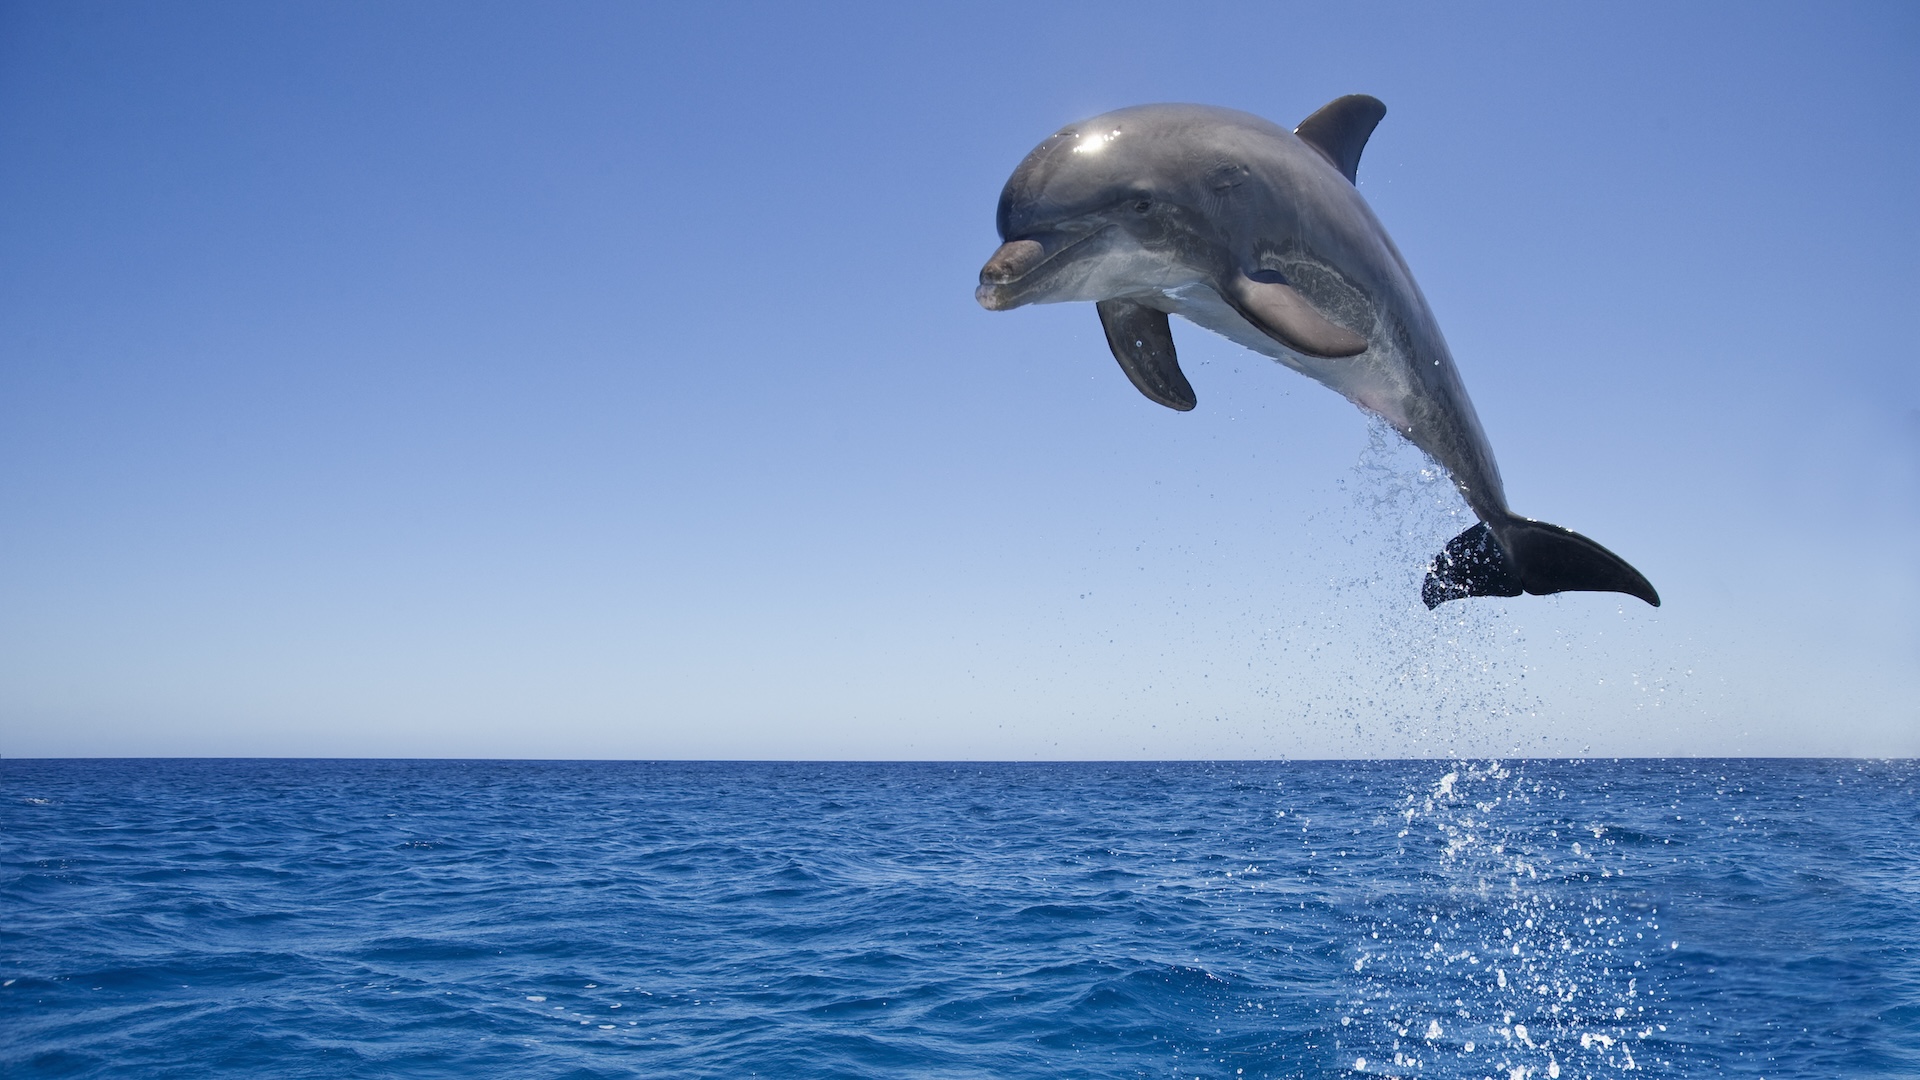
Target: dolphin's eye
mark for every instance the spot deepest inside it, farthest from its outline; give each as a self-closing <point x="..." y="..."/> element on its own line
<point x="1141" y="206"/>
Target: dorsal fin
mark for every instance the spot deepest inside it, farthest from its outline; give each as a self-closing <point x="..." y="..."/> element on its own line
<point x="1340" y="129"/>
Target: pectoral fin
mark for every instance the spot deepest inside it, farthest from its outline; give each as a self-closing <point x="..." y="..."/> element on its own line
<point x="1143" y="343"/>
<point x="1280" y="312"/>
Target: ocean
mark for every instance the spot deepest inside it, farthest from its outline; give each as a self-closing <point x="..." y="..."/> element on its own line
<point x="1511" y="919"/>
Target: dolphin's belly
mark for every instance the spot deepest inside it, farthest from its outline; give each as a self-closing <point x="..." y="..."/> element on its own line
<point x="1414" y="389"/>
<point x="1375" y="380"/>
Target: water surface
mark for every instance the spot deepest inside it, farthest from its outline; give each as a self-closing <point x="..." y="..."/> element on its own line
<point x="1745" y="918"/>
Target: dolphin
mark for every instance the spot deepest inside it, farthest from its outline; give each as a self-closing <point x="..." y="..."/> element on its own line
<point x="1258" y="234"/>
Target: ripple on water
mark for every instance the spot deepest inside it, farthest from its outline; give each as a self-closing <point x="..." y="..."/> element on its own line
<point x="1445" y="919"/>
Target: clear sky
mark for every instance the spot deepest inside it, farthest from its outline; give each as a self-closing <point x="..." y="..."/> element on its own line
<point x="605" y="380"/>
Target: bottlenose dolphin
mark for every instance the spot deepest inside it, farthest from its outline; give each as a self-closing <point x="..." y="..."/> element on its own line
<point x="1258" y="234"/>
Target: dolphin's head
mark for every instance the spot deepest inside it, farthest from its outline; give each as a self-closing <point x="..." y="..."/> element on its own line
<point x="1086" y="212"/>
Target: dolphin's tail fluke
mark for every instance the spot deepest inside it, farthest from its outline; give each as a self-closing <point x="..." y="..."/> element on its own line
<point x="1528" y="556"/>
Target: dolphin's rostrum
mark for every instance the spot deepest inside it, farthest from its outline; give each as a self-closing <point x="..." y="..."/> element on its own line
<point x="1258" y="234"/>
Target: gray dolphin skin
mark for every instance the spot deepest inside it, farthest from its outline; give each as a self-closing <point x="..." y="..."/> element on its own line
<point x="1258" y="234"/>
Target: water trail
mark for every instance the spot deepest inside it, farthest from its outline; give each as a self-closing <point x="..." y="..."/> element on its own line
<point x="1504" y="944"/>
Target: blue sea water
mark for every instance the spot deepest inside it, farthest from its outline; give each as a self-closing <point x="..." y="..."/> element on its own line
<point x="1527" y="919"/>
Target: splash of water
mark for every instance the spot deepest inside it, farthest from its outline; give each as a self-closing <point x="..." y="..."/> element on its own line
<point x="1523" y="953"/>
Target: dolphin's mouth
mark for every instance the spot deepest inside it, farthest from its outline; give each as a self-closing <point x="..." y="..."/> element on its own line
<point x="1011" y="275"/>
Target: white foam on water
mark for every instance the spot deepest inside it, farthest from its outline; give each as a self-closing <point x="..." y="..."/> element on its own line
<point x="1565" y="990"/>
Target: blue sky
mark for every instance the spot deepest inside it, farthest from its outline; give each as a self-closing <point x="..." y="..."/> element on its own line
<point x="605" y="380"/>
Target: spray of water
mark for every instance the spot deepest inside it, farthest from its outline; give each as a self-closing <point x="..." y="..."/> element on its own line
<point x="1385" y="671"/>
